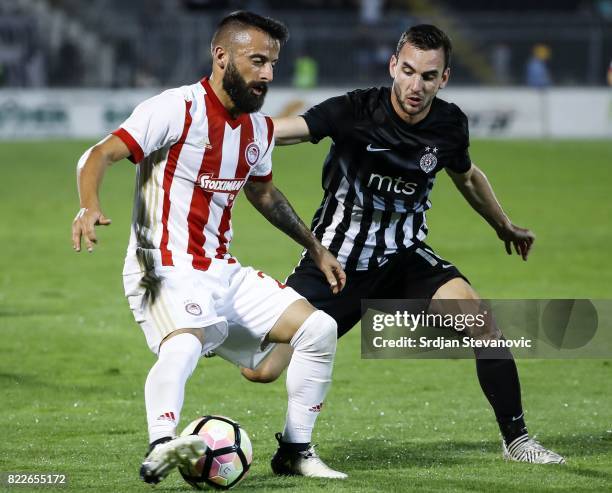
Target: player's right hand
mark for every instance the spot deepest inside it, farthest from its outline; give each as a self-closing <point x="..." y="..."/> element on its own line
<point x="330" y="267"/>
<point x="84" y="226"/>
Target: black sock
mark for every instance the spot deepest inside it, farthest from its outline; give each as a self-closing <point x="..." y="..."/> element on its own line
<point x="295" y="447"/>
<point x="499" y="381"/>
<point x="292" y="447"/>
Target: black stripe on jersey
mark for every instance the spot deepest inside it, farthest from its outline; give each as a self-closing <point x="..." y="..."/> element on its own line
<point x="361" y="237"/>
<point x="425" y="203"/>
<point x="316" y="219"/>
<point x="326" y="214"/>
<point x="417" y="223"/>
<point x="400" y="235"/>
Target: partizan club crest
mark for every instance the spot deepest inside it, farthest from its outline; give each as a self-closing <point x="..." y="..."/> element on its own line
<point x="429" y="160"/>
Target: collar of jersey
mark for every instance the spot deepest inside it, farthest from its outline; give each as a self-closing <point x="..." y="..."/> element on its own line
<point x="232" y="122"/>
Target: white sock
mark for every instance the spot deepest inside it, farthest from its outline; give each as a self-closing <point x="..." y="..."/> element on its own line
<point x="165" y="385"/>
<point x="309" y="375"/>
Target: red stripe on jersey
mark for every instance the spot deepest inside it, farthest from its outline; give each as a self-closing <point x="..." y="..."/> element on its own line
<point x="270" y="125"/>
<point x="173" y="155"/>
<point x="136" y="154"/>
<point x="242" y="170"/>
<point x="199" y="210"/>
<point x="223" y="229"/>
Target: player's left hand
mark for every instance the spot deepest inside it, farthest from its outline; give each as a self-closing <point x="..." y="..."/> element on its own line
<point x="331" y="268"/>
<point x="521" y="239"/>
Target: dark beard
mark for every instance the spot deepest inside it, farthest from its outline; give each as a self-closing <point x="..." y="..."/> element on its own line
<point x="405" y="107"/>
<point x="240" y="92"/>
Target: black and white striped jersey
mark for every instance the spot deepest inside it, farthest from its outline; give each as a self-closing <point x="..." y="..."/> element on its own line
<point x="379" y="172"/>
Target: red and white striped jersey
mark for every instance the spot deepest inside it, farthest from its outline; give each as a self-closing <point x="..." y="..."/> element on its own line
<point x="193" y="159"/>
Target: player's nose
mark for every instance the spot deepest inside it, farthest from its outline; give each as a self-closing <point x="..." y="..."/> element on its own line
<point x="416" y="83"/>
<point x="267" y="73"/>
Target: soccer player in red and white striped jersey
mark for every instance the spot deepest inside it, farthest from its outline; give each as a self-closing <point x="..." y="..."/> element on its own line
<point x="196" y="147"/>
<point x="198" y="158"/>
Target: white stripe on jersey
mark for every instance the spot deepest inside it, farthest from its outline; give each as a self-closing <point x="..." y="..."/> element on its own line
<point x="408" y="227"/>
<point x="231" y="144"/>
<point x="147" y="197"/>
<point x="390" y="243"/>
<point x="155" y="203"/>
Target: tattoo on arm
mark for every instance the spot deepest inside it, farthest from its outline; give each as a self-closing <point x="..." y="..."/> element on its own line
<point x="284" y="217"/>
<point x="275" y="207"/>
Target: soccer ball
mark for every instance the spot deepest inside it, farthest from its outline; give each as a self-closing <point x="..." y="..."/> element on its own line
<point x="227" y="457"/>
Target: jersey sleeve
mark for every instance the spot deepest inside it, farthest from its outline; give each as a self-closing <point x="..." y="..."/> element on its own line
<point x="461" y="161"/>
<point x="154" y="123"/>
<point x="329" y="118"/>
<point x="263" y="170"/>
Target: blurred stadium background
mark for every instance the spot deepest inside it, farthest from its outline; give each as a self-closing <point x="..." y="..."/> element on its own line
<point x="521" y="68"/>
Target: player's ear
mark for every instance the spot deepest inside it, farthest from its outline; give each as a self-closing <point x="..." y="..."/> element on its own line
<point x="445" y="77"/>
<point x="392" y="66"/>
<point x="219" y="56"/>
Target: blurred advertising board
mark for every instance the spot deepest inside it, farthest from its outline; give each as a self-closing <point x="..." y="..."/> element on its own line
<point x="493" y="112"/>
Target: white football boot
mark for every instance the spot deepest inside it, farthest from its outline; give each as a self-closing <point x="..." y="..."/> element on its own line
<point x="305" y="463"/>
<point x="525" y="449"/>
<point x="167" y="455"/>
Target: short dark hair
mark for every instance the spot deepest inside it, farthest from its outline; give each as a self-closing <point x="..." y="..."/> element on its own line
<point x="426" y="37"/>
<point x="243" y="18"/>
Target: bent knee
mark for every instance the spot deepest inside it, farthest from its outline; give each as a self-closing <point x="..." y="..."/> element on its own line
<point x="327" y="330"/>
<point x="456" y="289"/>
<point x="318" y="334"/>
<point x="259" y="375"/>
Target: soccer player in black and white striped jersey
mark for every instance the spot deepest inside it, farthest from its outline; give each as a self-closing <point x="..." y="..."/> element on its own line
<point x="388" y="144"/>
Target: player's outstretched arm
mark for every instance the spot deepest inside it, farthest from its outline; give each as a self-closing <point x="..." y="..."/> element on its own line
<point x="90" y="172"/>
<point x="290" y="130"/>
<point x="475" y="187"/>
<point x="275" y="207"/>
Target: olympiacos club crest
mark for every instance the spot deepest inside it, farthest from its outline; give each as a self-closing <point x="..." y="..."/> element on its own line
<point x="429" y="160"/>
<point x="251" y="153"/>
<point x="193" y="309"/>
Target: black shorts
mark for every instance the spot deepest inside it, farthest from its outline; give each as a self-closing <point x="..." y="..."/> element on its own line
<point x="416" y="273"/>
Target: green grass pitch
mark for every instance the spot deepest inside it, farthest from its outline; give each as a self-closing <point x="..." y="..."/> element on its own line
<point x="73" y="361"/>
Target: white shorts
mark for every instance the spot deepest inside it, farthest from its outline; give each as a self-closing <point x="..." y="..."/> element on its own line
<point x="234" y="306"/>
